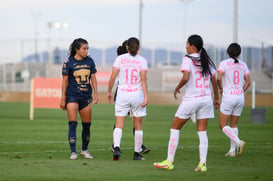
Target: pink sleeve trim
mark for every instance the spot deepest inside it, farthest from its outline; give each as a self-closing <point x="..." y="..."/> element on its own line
<point x="220" y="70"/>
<point x="247" y="73"/>
<point x="187" y="70"/>
<point x="144" y="70"/>
<point x="116" y="67"/>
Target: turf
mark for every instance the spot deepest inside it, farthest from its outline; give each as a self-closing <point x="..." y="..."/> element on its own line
<point x="38" y="149"/>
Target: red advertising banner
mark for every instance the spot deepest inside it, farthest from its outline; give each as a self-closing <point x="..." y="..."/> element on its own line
<point x="46" y="92"/>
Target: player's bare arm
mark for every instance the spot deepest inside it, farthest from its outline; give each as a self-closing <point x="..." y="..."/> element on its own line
<point x="183" y="81"/>
<point x="111" y="84"/>
<point x="64" y="87"/>
<point x="94" y="85"/>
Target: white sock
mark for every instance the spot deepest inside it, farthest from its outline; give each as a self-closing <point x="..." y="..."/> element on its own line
<point x="117" y="134"/>
<point x="203" y="146"/>
<point x="173" y="143"/>
<point x="230" y="133"/>
<point x="232" y="143"/>
<point x="138" y="140"/>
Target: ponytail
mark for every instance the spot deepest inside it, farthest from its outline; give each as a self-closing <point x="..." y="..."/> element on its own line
<point x="206" y="62"/>
<point x="234" y="50"/>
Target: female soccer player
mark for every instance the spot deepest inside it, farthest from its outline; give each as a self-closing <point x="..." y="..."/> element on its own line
<point x="79" y="77"/>
<point x="122" y="50"/>
<point x="198" y="71"/>
<point x="131" y="70"/>
<point x="233" y="81"/>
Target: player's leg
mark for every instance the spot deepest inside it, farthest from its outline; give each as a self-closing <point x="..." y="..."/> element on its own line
<point x="228" y="131"/>
<point x="86" y="115"/>
<point x="203" y="144"/>
<point x="117" y="135"/>
<point x="72" y="110"/>
<point x="144" y="149"/>
<point x="233" y="124"/>
<point x="138" y="138"/>
<point x="177" y="124"/>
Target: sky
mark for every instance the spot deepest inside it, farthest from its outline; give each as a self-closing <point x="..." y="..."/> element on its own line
<point x="106" y="23"/>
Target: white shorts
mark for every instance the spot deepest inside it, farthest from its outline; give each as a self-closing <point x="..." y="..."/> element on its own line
<point x="130" y="101"/>
<point x="232" y="105"/>
<point x="202" y="107"/>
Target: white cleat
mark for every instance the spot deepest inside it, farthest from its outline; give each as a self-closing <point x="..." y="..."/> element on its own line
<point x="230" y="154"/>
<point x="240" y="148"/>
<point x="73" y="156"/>
<point x="86" y="154"/>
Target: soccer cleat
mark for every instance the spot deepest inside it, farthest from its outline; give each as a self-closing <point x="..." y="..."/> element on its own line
<point x="164" y="164"/>
<point x="240" y="147"/>
<point x="144" y="149"/>
<point x="113" y="149"/>
<point x="138" y="156"/>
<point x="230" y="154"/>
<point x="73" y="156"/>
<point x="116" y="154"/>
<point x="86" y="154"/>
<point x="201" y="167"/>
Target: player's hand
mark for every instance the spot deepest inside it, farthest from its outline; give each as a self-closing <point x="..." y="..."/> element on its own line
<point x="62" y="104"/>
<point x="175" y="93"/>
<point x="221" y="91"/>
<point x="109" y="98"/>
<point x="216" y="104"/>
<point x="95" y="99"/>
<point x="144" y="103"/>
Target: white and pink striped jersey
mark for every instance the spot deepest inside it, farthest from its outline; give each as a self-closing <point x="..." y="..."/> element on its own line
<point x="129" y="71"/>
<point x="233" y="76"/>
<point x="197" y="85"/>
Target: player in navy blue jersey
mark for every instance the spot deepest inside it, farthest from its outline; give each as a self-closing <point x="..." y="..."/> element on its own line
<point x="79" y="89"/>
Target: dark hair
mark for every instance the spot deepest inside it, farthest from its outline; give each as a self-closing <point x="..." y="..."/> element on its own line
<point x="234" y="50"/>
<point x="76" y="44"/>
<point x="206" y="62"/>
<point x="133" y="45"/>
<point x="122" y="49"/>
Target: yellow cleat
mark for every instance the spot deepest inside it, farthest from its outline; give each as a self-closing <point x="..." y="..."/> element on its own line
<point x="164" y="164"/>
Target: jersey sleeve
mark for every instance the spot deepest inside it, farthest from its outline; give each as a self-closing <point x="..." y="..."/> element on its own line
<point x="117" y="63"/>
<point x="221" y="67"/>
<point x="144" y="65"/>
<point x="65" y="69"/>
<point x="93" y="67"/>
<point x="213" y="71"/>
<point x="246" y="70"/>
<point x="186" y="63"/>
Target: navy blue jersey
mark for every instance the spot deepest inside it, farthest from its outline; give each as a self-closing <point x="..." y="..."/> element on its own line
<point x="79" y="75"/>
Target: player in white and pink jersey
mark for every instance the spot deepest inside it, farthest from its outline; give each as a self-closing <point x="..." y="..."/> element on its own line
<point x="198" y="71"/>
<point x="131" y="70"/>
<point x="233" y="81"/>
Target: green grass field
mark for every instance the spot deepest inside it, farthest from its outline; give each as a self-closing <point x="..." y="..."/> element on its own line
<point x="38" y="149"/>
